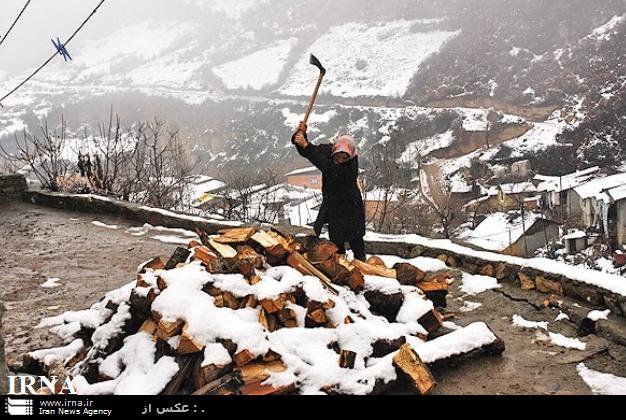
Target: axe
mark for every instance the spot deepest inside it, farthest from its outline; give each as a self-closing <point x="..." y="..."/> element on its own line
<point x="313" y="60"/>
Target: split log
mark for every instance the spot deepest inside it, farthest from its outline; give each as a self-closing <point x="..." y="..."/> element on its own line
<point x="375" y="270"/>
<point x="235" y="236"/>
<point x="286" y="315"/>
<point x="208" y="373"/>
<point x="322" y="251"/>
<point x="168" y="329"/>
<point x="249" y="302"/>
<point x="193" y="244"/>
<point x="255" y="374"/>
<point x="229" y="380"/>
<point x="179" y="256"/>
<point x="288" y="242"/>
<point x="225" y="251"/>
<point x="268" y="321"/>
<point x="152" y="294"/>
<point x="211" y="261"/>
<point x="376" y="260"/>
<point x="383" y="347"/>
<point x="291" y="323"/>
<point x="347" y="359"/>
<point x="297" y="261"/>
<point x="149" y="326"/>
<point x="244" y="357"/>
<point x="408" y="274"/>
<point x="387" y="305"/>
<point x="272" y="306"/>
<point x="139" y="305"/>
<point x="154" y="264"/>
<point x="408" y="362"/>
<point x="230" y="301"/>
<point x="204" y="237"/>
<point x="431" y="321"/>
<point x="254" y="280"/>
<point x="356" y="281"/>
<point x="248" y="260"/>
<point x="270" y="244"/>
<point x="175" y="384"/>
<point x="187" y="343"/>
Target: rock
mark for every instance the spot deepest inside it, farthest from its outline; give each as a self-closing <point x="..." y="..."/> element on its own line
<point x="612" y="302"/>
<point x="452" y="262"/>
<point x="526" y="282"/>
<point x="442" y="257"/>
<point x="548" y="286"/>
<point x="582" y="291"/>
<point x="416" y="251"/>
<point x="488" y="270"/>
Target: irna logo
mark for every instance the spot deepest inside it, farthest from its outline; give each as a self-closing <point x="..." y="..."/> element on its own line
<point x="31" y="385"/>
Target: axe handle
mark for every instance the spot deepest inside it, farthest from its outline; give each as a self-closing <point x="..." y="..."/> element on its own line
<point x="317" y="88"/>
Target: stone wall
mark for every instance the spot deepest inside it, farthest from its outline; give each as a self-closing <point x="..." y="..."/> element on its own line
<point x="12" y="185"/>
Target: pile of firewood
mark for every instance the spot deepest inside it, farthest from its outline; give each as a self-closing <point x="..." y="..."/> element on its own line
<point x="248" y="253"/>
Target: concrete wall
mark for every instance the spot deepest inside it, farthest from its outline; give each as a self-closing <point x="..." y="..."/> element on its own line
<point x="12" y="184"/>
<point x="621" y="222"/>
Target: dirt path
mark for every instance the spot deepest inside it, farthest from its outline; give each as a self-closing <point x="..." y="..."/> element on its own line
<point x="39" y="243"/>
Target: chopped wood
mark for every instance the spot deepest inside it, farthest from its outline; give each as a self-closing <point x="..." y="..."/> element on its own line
<point x="268" y="321"/>
<point x="175" y="384"/>
<point x="187" y="343"/>
<point x="290" y="323"/>
<point x="204" y="237"/>
<point x="356" y="281"/>
<point x="431" y="321"/>
<point x="259" y="372"/>
<point x="249" y="302"/>
<point x="409" y="363"/>
<point x="230" y="379"/>
<point x="271" y="356"/>
<point x="318" y="316"/>
<point x="258" y="389"/>
<point x="235" y="236"/>
<point x="254" y="280"/>
<point x="230" y="301"/>
<point x="149" y="326"/>
<point x="168" y="329"/>
<point x="376" y="260"/>
<point x="193" y="244"/>
<point x="374" y="270"/>
<point x="209" y="373"/>
<point x="219" y="301"/>
<point x="270" y="244"/>
<point x="383" y="347"/>
<point x="330" y="304"/>
<point x="274" y="305"/>
<point x="154" y="264"/>
<point x="286" y="315"/>
<point x="408" y="274"/>
<point x="161" y="283"/>
<point x="179" y="256"/>
<point x="387" y="305"/>
<point x="297" y="261"/>
<point x="204" y="254"/>
<point x="152" y="294"/>
<point x="141" y="282"/>
<point x="225" y="251"/>
<point x="244" y="357"/>
<point x="347" y="359"/>
<point x="322" y="251"/>
<point x="287" y="242"/>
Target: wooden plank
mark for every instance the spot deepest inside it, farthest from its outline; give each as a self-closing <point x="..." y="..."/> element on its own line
<point x="374" y="270"/>
<point x="235" y="235"/>
<point x="408" y="362"/>
<point x="225" y="251"/>
<point x="347" y="359"/>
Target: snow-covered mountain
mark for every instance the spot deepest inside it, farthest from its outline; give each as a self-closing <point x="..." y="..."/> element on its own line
<point x="424" y="78"/>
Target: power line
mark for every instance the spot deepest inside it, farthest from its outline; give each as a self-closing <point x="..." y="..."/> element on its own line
<point x="14" y="22"/>
<point x="53" y="55"/>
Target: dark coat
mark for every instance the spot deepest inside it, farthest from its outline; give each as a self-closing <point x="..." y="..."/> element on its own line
<point x="342" y="204"/>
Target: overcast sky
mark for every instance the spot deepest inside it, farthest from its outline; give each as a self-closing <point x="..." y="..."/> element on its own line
<point x="28" y="44"/>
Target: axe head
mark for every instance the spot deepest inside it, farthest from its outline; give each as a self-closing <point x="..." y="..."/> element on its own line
<point x="313" y="60"/>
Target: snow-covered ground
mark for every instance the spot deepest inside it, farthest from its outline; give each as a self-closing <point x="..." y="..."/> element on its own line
<point x="381" y="59"/>
<point x="257" y="70"/>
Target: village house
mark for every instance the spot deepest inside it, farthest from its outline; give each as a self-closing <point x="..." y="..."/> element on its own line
<point x="592" y="194"/>
<point x="506" y="197"/>
<point x="613" y="217"/>
<point x="309" y="177"/>
<point x="558" y="193"/>
<point x="512" y="233"/>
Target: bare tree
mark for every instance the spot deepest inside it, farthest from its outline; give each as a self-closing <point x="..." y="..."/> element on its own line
<point x="45" y="156"/>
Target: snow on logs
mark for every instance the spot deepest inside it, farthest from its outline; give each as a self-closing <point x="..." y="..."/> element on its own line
<point x="250" y="312"/>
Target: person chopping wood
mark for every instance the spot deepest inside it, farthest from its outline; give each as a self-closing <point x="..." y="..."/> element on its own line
<point x="342" y="205"/>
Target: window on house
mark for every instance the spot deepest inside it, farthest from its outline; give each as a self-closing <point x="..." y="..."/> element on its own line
<point x="315" y="181"/>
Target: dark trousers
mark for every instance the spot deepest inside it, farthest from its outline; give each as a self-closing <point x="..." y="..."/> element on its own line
<point x="356" y="245"/>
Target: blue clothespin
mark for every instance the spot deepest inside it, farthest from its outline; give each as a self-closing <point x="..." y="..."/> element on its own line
<point x="61" y="49"/>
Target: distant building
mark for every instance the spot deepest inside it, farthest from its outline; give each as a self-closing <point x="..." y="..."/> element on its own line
<point x="511" y="233"/>
<point x="593" y="193"/>
<point x="558" y="191"/>
<point x="521" y="169"/>
<point x="575" y="242"/>
<point x="506" y="197"/>
<point x="309" y="177"/>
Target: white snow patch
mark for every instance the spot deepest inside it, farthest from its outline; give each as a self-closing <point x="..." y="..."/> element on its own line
<point x="519" y="321"/>
<point x="366" y="59"/>
<point x="562" y="341"/>
<point x="51" y="283"/>
<point x="602" y="383"/>
<point x="104" y="225"/>
<point x="598" y="315"/>
<point x="474" y="284"/>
